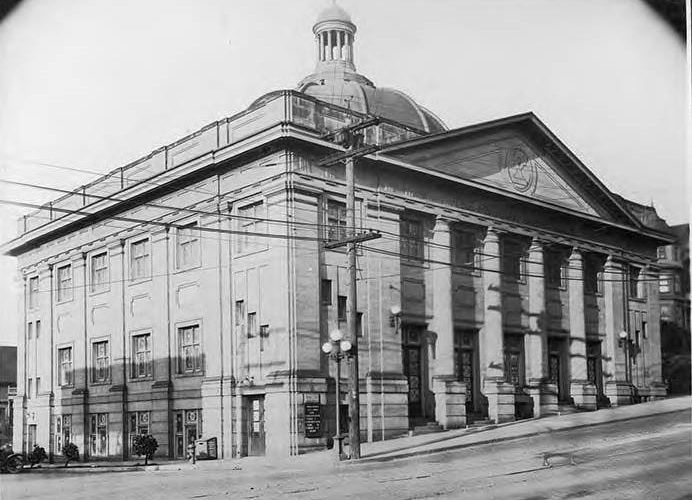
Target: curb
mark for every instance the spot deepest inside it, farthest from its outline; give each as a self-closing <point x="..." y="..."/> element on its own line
<point x="388" y="458"/>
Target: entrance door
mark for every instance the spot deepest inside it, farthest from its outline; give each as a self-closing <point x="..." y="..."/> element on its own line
<point x="557" y="367"/>
<point x="594" y="367"/>
<point x="188" y="428"/>
<point x="413" y="370"/>
<point x="31" y="437"/>
<point x="255" y="426"/>
<point x="466" y="369"/>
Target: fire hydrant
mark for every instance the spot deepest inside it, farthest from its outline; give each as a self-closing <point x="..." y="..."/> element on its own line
<point x="191" y="452"/>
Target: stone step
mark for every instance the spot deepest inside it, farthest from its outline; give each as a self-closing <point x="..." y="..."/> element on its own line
<point x="427" y="428"/>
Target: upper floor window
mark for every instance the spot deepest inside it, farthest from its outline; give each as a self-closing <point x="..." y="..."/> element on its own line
<point x="101" y="361"/>
<point x="465" y="251"/>
<point x="593" y="271"/>
<point x="141" y="355"/>
<point x="665" y="283"/>
<point x="326" y="292"/>
<point x="336" y="221"/>
<point x="634" y="281"/>
<point x="661" y="253"/>
<point x="30" y="330"/>
<point x="251" y="221"/>
<point x="189" y="352"/>
<point x="38" y="328"/>
<point x="188" y="246"/>
<point x="341" y="308"/>
<point x="33" y="292"/>
<point x="554" y="269"/>
<point x="139" y="259"/>
<point x="99" y="272"/>
<point x="513" y="261"/>
<point x="65" y="283"/>
<point x="65" y="366"/>
<point x="412" y="242"/>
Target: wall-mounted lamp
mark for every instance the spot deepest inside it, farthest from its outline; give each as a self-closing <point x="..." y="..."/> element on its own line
<point x="395" y="317"/>
<point x="622" y="339"/>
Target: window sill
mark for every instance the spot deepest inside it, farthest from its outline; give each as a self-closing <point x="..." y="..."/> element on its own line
<point x="94" y="293"/>
<point x="246" y="253"/>
<point x="138" y="281"/>
<point x="187" y="268"/>
<point x="100" y="382"/>
<point x="148" y="378"/>
<point x="190" y="375"/>
<point x="64" y="301"/>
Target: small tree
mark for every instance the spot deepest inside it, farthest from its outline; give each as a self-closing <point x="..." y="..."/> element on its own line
<point x="71" y="452"/>
<point x="145" y="444"/>
<point x="37" y="455"/>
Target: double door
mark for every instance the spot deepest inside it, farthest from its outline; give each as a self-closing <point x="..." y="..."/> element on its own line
<point x="558" y="366"/>
<point x="254" y="425"/>
<point x="188" y="428"/>
<point x="415" y="371"/>
<point x="466" y="369"/>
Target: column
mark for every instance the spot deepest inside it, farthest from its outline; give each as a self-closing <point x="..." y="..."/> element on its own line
<point x="330" y="45"/>
<point x="450" y="408"/>
<point x="583" y="393"/>
<point x="499" y="393"/>
<point x="544" y="395"/>
<point x="617" y="386"/>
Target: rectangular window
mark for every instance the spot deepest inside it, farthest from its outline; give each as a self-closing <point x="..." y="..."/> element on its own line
<point x="661" y="253"/>
<point x="465" y="251"/>
<point x="336" y="221"/>
<point x="634" y="281"/>
<point x="664" y="283"/>
<point x="514" y="359"/>
<point x="252" y="326"/>
<point x="65" y="283"/>
<point x="38" y="328"/>
<point x="101" y="361"/>
<point x="240" y="316"/>
<point x="138" y="425"/>
<point x="359" y="324"/>
<point x="63" y="431"/>
<point x="326" y="292"/>
<point x="189" y="352"/>
<point x="38" y="386"/>
<point x="187" y="254"/>
<point x="99" y="272"/>
<point x="412" y="242"/>
<point x="29" y="388"/>
<point x="513" y="261"/>
<point x="141" y="355"/>
<point x="676" y="284"/>
<point x="33" y="292"/>
<point x="65" y="366"/>
<point x="139" y="260"/>
<point x="553" y="269"/>
<point x="98" y="435"/>
<point x="30" y="330"/>
<point x="251" y="219"/>
<point x="593" y="272"/>
<point x="341" y="309"/>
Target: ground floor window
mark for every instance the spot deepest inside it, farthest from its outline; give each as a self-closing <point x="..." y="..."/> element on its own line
<point x="138" y="424"/>
<point x="188" y="427"/>
<point x="31" y="437"/>
<point x="63" y="431"/>
<point x="98" y="436"/>
<point x="514" y="359"/>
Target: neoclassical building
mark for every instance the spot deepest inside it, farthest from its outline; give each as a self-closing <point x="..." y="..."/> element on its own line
<point x="188" y="293"/>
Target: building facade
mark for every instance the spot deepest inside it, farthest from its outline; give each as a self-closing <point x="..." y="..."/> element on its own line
<point x="187" y="294"/>
<point x="674" y="291"/>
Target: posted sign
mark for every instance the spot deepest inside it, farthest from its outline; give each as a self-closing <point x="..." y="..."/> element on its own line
<point x="313" y="420"/>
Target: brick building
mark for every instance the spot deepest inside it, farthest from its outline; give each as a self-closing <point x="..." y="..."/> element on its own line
<point x="188" y="293"/>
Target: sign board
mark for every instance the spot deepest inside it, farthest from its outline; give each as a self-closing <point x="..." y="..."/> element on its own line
<point x="313" y="420"/>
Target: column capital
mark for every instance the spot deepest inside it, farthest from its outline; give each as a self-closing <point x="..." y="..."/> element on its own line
<point x="492" y="235"/>
<point x="442" y="223"/>
<point x="576" y="256"/>
<point x="611" y="263"/>
<point x="537" y="244"/>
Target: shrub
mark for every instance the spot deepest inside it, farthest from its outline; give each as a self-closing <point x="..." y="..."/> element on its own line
<point x="70" y="452"/>
<point x="37" y="455"/>
<point x="146" y="445"/>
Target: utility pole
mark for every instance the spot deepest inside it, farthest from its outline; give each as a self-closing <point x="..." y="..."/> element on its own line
<point x="352" y="140"/>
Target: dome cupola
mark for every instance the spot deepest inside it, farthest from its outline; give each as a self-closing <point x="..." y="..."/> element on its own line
<point x="336" y="80"/>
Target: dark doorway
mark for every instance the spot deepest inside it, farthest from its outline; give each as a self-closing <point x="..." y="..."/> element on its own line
<point x="255" y="426"/>
<point x="188" y="428"/>
<point x="466" y="369"/>
<point x="557" y="367"/>
<point x="415" y="371"/>
<point x="594" y="367"/>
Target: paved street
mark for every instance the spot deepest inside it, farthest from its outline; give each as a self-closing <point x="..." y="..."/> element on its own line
<point x="647" y="458"/>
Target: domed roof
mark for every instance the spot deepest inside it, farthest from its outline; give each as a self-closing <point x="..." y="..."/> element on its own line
<point x="335" y="79"/>
<point x="333" y="13"/>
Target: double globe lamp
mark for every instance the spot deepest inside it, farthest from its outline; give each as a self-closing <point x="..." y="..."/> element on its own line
<point x="338" y="348"/>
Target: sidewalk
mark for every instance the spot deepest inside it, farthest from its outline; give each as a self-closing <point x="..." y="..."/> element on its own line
<point x="401" y="447"/>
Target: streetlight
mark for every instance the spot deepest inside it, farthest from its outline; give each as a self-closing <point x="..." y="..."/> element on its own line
<point x="395" y="317"/>
<point x="338" y="348"/>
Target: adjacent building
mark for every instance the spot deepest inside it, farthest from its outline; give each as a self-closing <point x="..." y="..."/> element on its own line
<point x="8" y="390"/>
<point x="674" y="291"/>
<point x="188" y="293"/>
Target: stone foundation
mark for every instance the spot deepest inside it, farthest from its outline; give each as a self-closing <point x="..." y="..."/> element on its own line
<point x="584" y="395"/>
<point x="500" y="396"/>
<point x="450" y="402"/>
<point x="544" y="398"/>
<point x="619" y="393"/>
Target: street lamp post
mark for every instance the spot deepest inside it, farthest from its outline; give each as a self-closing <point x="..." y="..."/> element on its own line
<point x="338" y="348"/>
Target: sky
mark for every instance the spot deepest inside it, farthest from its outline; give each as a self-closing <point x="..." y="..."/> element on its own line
<point x="95" y="84"/>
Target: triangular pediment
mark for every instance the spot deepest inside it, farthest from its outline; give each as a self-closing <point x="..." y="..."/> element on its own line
<point x="522" y="163"/>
